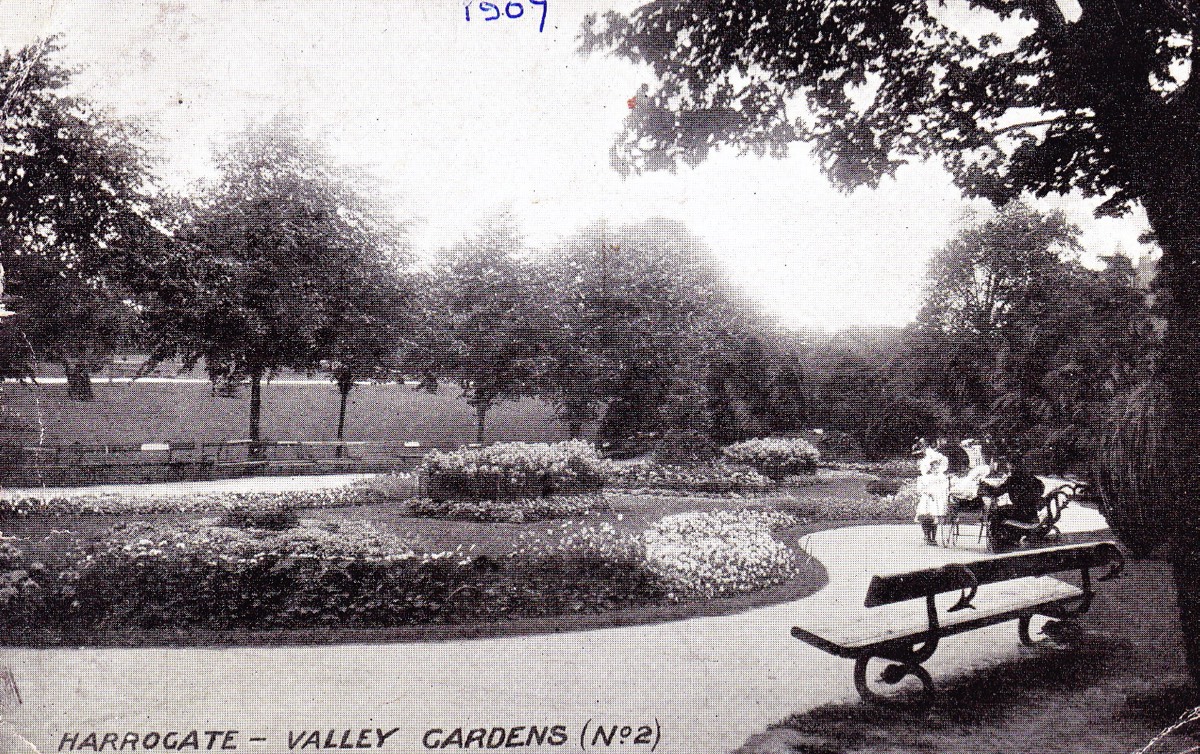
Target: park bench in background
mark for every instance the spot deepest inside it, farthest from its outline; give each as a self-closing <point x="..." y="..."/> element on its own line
<point x="992" y="590"/>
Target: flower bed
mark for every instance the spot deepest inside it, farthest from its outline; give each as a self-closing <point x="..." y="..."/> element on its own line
<point x="272" y="572"/>
<point x="364" y="492"/>
<point x="717" y="553"/>
<point x="512" y="470"/>
<point x="840" y="508"/>
<point x="897" y="467"/>
<point x="510" y="511"/>
<point x="198" y="574"/>
<point x="718" y="478"/>
<point x="775" y="456"/>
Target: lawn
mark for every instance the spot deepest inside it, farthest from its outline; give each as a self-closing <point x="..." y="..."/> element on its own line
<point x="163" y="412"/>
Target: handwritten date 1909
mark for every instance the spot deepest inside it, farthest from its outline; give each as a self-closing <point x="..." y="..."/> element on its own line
<point x="493" y="11"/>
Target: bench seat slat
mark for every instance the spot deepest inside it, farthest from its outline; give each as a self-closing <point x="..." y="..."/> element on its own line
<point x="888" y="589"/>
<point x="849" y="632"/>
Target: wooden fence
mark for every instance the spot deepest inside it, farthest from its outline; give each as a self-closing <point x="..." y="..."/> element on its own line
<point x="77" y="464"/>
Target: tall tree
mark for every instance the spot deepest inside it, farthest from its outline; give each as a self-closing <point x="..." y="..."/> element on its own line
<point x="643" y="310"/>
<point x="285" y="249"/>
<point x="370" y="327"/>
<point x="484" y="319"/>
<point x="75" y="231"/>
<point x="1103" y="100"/>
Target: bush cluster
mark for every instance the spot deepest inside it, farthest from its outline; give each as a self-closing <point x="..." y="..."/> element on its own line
<point x="714" y="478"/>
<point x="836" y="508"/>
<point x="22" y="594"/>
<point x="202" y="574"/>
<point x="896" y="467"/>
<point x="775" y="456"/>
<point x="513" y="470"/>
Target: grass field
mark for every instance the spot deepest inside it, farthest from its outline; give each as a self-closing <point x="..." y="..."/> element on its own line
<point x="162" y="412"/>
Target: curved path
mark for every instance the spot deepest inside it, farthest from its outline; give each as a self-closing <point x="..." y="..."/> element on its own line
<point x="710" y="682"/>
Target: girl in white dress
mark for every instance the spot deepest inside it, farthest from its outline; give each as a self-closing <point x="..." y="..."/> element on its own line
<point x="934" y="491"/>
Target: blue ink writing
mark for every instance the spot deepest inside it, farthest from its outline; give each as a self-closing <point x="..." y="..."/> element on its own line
<point x="513" y="10"/>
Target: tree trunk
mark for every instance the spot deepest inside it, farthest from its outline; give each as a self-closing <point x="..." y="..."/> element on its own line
<point x="255" y="412"/>
<point x="344" y="387"/>
<point x="1175" y="218"/>
<point x="481" y="412"/>
<point x="79" y="382"/>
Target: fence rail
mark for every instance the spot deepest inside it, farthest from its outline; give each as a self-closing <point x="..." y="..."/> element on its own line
<point x="78" y="464"/>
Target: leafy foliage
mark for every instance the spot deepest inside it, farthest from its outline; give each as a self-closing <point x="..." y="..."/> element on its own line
<point x="1018" y="338"/>
<point x="291" y="263"/>
<point x="483" y="319"/>
<point x="78" y="239"/>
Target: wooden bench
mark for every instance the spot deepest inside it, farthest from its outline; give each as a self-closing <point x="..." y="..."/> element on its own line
<point x="905" y="633"/>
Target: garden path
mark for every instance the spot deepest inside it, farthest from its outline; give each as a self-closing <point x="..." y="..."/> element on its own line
<point x="710" y="682"/>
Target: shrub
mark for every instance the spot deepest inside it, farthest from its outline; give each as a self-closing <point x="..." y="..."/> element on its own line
<point x="776" y="456"/>
<point x="513" y="470"/>
<point x="199" y="574"/>
<point x="22" y="594"/>
<point x="884" y="487"/>
<point x="709" y="554"/>
<point x="717" y="478"/>
<point x="898" y="507"/>
<point x="684" y="446"/>
<point x="896" y="467"/>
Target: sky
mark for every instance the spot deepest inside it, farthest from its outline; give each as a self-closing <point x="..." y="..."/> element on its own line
<point x="459" y="118"/>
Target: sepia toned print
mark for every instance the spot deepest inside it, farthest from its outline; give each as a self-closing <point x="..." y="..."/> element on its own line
<point x="569" y="375"/>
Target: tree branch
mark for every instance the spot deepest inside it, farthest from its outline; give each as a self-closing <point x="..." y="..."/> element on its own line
<point x="1036" y="123"/>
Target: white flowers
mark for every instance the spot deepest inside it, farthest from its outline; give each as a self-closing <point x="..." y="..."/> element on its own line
<point x="715" y="553"/>
<point x="567" y="462"/>
<point x="775" y="455"/>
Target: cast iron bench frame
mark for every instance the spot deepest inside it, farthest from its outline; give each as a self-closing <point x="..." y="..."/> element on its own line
<point x="910" y="649"/>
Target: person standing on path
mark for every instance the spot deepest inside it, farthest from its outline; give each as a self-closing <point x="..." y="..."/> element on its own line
<point x="933" y="487"/>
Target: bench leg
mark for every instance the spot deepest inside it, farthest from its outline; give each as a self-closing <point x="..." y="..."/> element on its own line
<point x="892" y="675"/>
<point x="1064" y="623"/>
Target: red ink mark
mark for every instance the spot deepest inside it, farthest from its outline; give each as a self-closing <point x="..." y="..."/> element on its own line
<point x="632" y="102"/>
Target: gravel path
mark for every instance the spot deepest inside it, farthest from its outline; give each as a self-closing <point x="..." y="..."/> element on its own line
<point x="707" y="684"/>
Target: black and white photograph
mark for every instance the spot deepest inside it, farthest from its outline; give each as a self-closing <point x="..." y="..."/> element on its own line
<point x="680" y="376"/>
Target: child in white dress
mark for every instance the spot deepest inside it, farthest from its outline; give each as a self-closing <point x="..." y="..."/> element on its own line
<point x="934" y="491"/>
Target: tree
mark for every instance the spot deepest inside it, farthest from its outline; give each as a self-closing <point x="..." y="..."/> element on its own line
<point x="76" y="231"/>
<point x="289" y="265"/>
<point x="644" y="311"/>
<point x="1104" y="102"/>
<point x="1016" y="337"/>
<point x="484" y="319"/>
<point x="369" y="329"/>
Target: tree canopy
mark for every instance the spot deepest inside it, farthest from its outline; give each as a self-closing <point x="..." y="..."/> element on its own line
<point x="289" y="260"/>
<point x="77" y="235"/>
